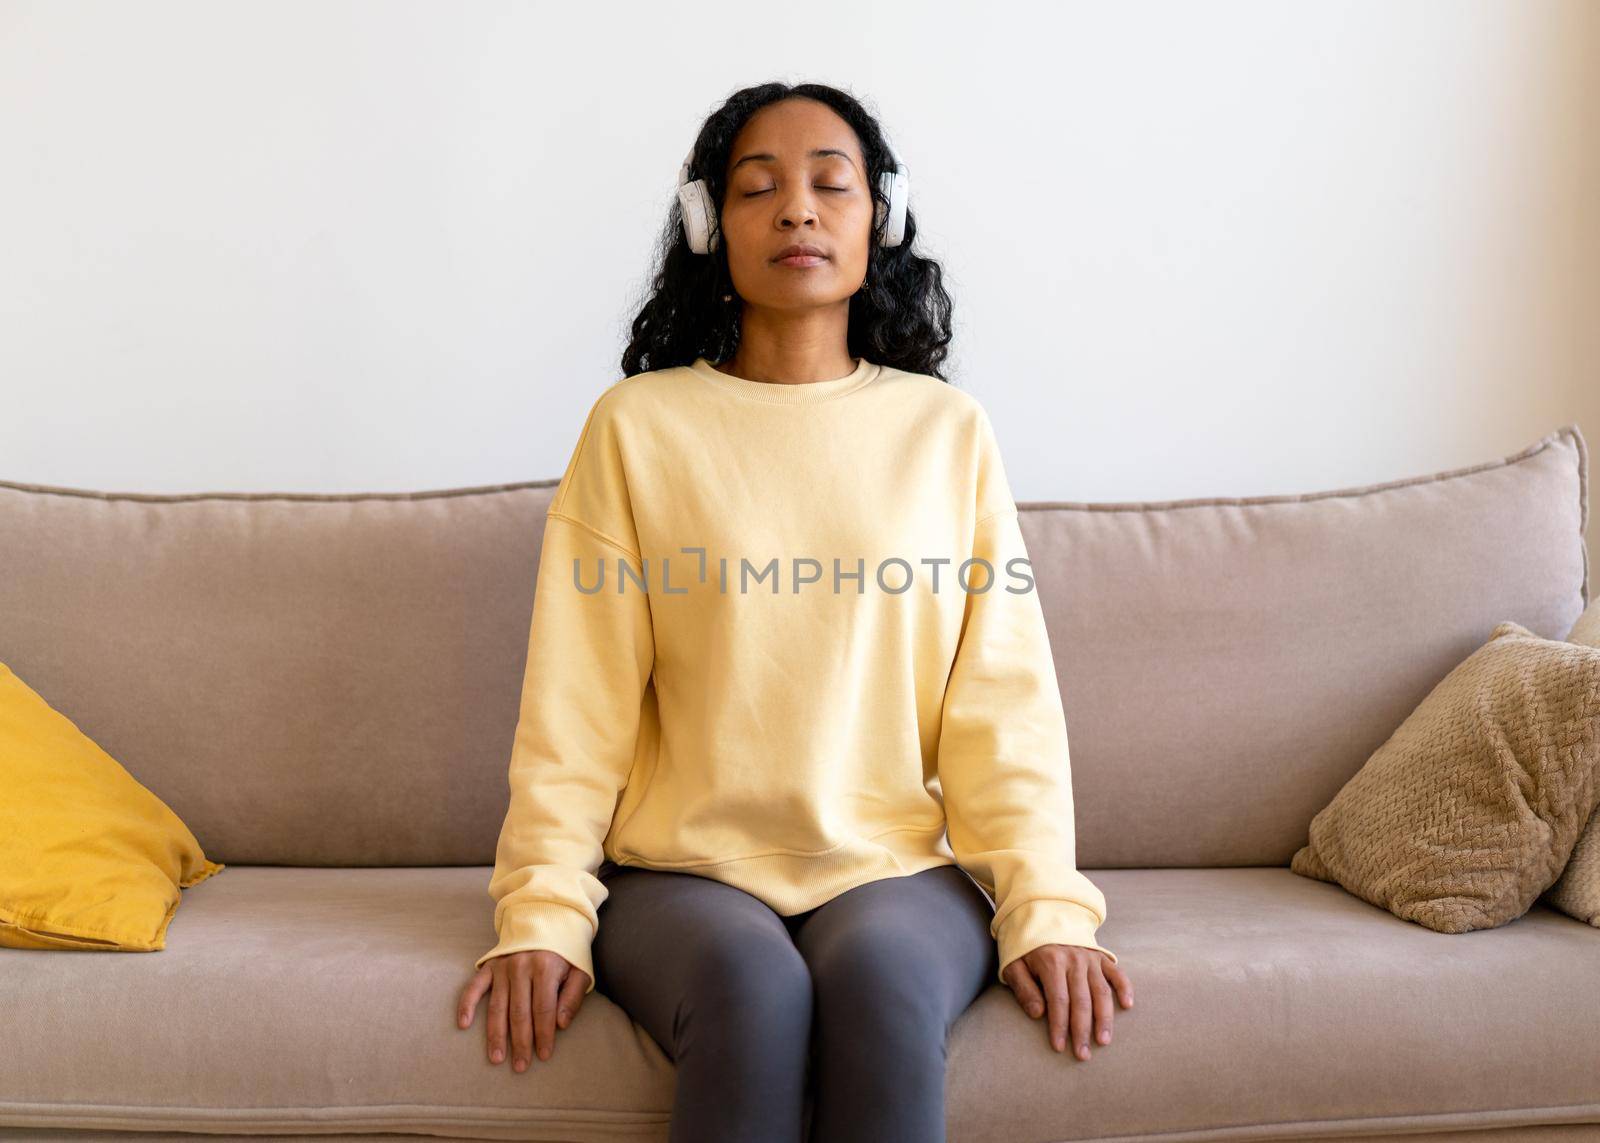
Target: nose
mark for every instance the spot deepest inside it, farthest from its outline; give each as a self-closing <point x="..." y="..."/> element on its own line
<point x="797" y="210"/>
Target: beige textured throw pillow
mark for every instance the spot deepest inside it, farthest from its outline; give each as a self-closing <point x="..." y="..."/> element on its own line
<point x="1577" y="891"/>
<point x="1472" y="807"/>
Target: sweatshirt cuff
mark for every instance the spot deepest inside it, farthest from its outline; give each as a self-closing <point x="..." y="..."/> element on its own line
<point x="1047" y="921"/>
<point x="546" y="925"/>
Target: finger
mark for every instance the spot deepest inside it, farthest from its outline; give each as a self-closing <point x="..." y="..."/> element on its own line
<point x="1105" y="1008"/>
<point x="1082" y="1005"/>
<point x="1054" y="978"/>
<point x="571" y="997"/>
<point x="495" y="1028"/>
<point x="545" y="987"/>
<point x="521" y="1029"/>
<point x="1025" y="988"/>
<point x="1119" y="980"/>
<point x="467" y="1006"/>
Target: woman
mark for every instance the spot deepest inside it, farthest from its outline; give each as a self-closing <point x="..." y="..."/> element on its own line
<point x="791" y="719"/>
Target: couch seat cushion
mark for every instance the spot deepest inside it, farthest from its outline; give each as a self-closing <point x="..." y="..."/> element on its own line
<point x="309" y="1001"/>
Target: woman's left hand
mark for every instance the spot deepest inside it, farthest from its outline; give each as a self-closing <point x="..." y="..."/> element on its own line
<point x="1076" y="984"/>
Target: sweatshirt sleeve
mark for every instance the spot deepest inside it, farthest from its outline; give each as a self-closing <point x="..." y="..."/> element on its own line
<point x="1003" y="761"/>
<point x="590" y="657"/>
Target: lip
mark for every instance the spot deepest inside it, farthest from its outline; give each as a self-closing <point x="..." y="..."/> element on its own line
<point x="800" y="254"/>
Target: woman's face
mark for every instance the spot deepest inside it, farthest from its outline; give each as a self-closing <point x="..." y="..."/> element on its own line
<point x="796" y="176"/>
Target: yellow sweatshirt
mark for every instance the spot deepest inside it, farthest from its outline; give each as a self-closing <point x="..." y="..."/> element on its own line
<point x="785" y="637"/>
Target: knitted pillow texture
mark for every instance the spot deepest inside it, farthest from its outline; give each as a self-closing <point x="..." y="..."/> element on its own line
<point x="1472" y="807"/>
<point x="1577" y="891"/>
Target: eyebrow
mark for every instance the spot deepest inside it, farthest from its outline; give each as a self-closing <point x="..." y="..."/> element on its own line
<point x="764" y="156"/>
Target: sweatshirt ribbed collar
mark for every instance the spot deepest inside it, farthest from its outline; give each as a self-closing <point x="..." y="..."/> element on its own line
<point x="780" y="393"/>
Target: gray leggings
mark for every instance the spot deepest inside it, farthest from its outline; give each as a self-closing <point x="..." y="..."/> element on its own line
<point x="857" y="996"/>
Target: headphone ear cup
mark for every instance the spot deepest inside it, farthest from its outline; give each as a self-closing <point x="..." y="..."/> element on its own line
<point x="698" y="224"/>
<point x="896" y="187"/>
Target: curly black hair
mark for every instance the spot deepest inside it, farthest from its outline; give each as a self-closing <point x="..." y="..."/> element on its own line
<point x="902" y="320"/>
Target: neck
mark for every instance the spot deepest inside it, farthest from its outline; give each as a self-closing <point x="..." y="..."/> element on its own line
<point x="790" y="356"/>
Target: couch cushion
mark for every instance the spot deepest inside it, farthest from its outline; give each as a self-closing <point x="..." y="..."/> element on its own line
<point x="1267" y="1006"/>
<point x="305" y="679"/>
<point x="1227" y="665"/>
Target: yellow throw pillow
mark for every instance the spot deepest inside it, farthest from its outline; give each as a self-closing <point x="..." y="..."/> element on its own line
<point x="1472" y="807"/>
<point x="1577" y="891"/>
<point x="89" y="858"/>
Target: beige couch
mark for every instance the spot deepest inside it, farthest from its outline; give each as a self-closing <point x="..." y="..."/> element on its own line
<point x="325" y="687"/>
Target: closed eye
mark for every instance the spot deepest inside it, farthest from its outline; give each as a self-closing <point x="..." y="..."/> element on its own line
<point x="769" y="190"/>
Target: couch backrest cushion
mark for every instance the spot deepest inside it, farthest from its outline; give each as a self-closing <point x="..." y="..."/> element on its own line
<point x="334" y="679"/>
<point x="305" y="679"/>
<point x="1228" y="664"/>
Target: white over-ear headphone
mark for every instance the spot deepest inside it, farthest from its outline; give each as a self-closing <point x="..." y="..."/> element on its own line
<point x="700" y="213"/>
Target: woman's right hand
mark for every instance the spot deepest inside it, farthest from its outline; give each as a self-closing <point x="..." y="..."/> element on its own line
<point x="531" y="994"/>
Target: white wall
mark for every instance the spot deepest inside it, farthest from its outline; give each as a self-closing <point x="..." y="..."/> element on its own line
<point x="1220" y="248"/>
